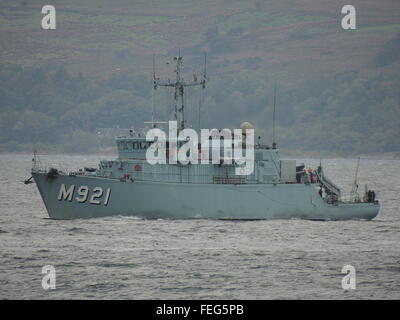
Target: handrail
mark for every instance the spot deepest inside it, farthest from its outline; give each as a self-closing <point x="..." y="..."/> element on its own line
<point x="328" y="183"/>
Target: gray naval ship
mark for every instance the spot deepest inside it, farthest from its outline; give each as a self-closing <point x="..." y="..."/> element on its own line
<point x="130" y="185"/>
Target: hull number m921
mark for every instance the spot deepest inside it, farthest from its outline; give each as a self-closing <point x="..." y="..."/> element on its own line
<point x="98" y="195"/>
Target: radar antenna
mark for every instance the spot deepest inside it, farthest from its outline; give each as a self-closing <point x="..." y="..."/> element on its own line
<point x="179" y="89"/>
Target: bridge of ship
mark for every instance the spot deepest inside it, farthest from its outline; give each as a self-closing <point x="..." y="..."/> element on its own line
<point x="132" y="165"/>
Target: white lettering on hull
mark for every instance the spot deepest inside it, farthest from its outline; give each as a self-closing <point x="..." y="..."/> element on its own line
<point x="66" y="194"/>
<point x="83" y="194"/>
<point x="97" y="193"/>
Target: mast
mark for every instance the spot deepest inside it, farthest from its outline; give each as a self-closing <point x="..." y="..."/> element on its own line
<point x="152" y="91"/>
<point x="355" y="185"/>
<point x="179" y="90"/>
<point x="201" y="100"/>
<point x="273" y="117"/>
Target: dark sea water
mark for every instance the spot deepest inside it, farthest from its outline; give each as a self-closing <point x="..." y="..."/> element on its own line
<point x="130" y="258"/>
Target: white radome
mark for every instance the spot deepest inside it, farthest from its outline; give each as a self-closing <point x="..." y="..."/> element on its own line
<point x="246" y="125"/>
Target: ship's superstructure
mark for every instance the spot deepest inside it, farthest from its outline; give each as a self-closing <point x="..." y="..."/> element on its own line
<point x="130" y="185"/>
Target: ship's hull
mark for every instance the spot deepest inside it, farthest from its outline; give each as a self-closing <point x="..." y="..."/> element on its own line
<point x="69" y="197"/>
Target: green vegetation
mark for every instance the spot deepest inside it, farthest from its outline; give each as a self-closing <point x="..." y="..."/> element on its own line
<point x="337" y="92"/>
<point x="344" y="114"/>
<point x="251" y="20"/>
<point x="384" y="28"/>
<point x="59" y="110"/>
<point x="390" y="52"/>
<point x="120" y="20"/>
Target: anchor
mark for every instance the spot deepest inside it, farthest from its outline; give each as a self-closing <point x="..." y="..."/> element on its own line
<point x="28" y="181"/>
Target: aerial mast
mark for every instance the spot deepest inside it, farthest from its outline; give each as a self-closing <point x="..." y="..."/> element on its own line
<point x="354" y="189"/>
<point x="179" y="90"/>
<point x="202" y="90"/>
<point x="152" y="91"/>
<point x="273" y="117"/>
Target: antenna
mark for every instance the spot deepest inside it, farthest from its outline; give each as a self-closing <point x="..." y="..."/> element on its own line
<point x="154" y="66"/>
<point x="153" y="91"/>
<point x="179" y="90"/>
<point x="199" y="115"/>
<point x="355" y="185"/>
<point x="205" y="69"/>
<point x="154" y="88"/>
<point x="273" y="116"/>
<point x="356" y="175"/>
<point x="203" y="85"/>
